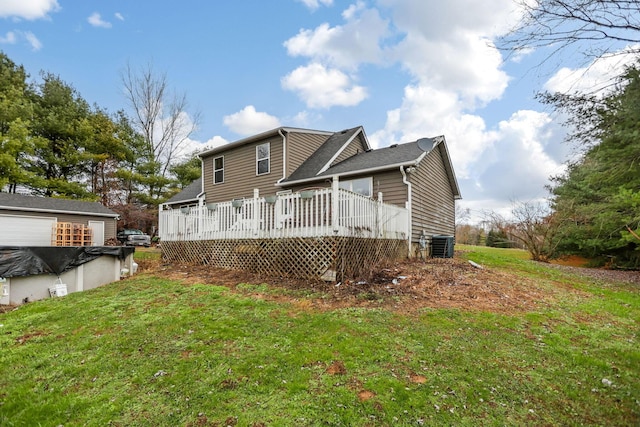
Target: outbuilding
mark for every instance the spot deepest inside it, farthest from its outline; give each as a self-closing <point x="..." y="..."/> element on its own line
<point x="31" y="220"/>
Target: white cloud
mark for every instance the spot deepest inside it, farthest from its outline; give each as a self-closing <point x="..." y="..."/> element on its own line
<point x="314" y="4"/>
<point x="28" y="9"/>
<point x="320" y="87"/>
<point x="518" y="164"/>
<point x="191" y="146"/>
<point x="96" y="20"/>
<point x="9" y="38"/>
<point x="346" y="46"/>
<point x="433" y="19"/>
<point x="465" y="64"/>
<point x="426" y="112"/>
<point x="593" y="78"/>
<point x="453" y="71"/>
<point x="32" y="40"/>
<point x="119" y="16"/>
<point x="248" y="121"/>
<point x="13" y="37"/>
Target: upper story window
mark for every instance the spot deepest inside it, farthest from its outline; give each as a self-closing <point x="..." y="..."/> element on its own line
<point x="263" y="153"/>
<point x="218" y="170"/>
<point x="362" y="186"/>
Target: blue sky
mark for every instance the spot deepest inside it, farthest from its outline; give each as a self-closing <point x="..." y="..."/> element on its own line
<point x="403" y="69"/>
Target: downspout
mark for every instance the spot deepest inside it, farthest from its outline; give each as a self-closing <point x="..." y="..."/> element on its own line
<point x="284" y="157"/>
<point x="201" y="199"/>
<point x="408" y="206"/>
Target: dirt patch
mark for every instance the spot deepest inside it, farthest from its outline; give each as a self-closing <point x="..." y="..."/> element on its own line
<point x="365" y="395"/>
<point x="405" y="286"/>
<point x="7" y="308"/>
<point x="336" y="368"/>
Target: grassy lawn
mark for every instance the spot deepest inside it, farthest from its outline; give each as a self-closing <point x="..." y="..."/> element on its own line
<point x="152" y="351"/>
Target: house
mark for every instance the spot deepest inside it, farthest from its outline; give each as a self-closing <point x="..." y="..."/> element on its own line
<point x="30" y="220"/>
<point x="306" y="184"/>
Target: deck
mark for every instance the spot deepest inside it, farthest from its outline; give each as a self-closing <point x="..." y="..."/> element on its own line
<point x="325" y="212"/>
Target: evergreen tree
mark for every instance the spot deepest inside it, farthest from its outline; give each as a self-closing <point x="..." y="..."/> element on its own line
<point x="599" y="197"/>
<point x="61" y="118"/>
<point x="17" y="145"/>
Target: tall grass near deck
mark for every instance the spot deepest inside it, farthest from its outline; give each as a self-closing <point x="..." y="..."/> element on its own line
<point x="152" y="352"/>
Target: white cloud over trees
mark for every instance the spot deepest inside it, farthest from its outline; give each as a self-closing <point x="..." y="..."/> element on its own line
<point x="248" y="121"/>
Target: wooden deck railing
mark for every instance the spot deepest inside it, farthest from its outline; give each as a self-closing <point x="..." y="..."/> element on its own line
<point x="314" y="213"/>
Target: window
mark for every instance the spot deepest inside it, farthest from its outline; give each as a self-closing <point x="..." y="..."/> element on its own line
<point x="218" y="170"/>
<point x="262" y="158"/>
<point x="362" y="186"/>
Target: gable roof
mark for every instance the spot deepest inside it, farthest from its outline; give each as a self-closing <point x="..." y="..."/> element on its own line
<point x="322" y="158"/>
<point x="392" y="157"/>
<point x="19" y="202"/>
<point x="383" y="158"/>
<point x="188" y="193"/>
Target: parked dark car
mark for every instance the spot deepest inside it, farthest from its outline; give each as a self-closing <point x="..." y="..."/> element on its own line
<point x="132" y="237"/>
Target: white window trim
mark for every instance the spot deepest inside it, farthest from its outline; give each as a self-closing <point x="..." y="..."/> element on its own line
<point x="268" y="158"/>
<point x="214" y="170"/>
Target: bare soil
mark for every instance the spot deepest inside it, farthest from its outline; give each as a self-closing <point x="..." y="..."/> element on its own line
<point x="406" y="286"/>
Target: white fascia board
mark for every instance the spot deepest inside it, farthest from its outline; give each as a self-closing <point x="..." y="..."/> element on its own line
<point x="338" y="152"/>
<point x="350" y="173"/>
<point x="14" y="208"/>
<point x="258" y="137"/>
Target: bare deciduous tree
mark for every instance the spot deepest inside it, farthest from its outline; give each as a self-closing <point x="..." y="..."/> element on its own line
<point x="592" y="27"/>
<point x="533" y="225"/>
<point x="159" y="115"/>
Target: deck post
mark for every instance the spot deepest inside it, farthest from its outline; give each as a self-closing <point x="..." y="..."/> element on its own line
<point x="335" y="205"/>
<point x="255" y="214"/>
<point x="380" y="221"/>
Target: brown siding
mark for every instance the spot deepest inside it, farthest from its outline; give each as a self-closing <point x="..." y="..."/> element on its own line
<point x="110" y="223"/>
<point x="301" y="146"/>
<point x="394" y="191"/>
<point x="433" y="204"/>
<point x="240" y="172"/>
<point x="356" y="146"/>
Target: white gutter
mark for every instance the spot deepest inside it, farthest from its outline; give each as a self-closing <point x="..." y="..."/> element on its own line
<point x="284" y="157"/>
<point x="200" y="195"/>
<point x="356" y="172"/>
<point x="408" y="206"/>
<point x="258" y="137"/>
<point x="18" y="208"/>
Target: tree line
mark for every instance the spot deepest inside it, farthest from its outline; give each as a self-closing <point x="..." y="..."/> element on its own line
<point x="594" y="208"/>
<point x="54" y="143"/>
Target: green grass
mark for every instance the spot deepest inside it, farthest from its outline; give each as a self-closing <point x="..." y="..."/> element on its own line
<point x="150" y="351"/>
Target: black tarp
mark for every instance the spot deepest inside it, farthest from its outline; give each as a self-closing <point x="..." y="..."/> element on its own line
<point x="18" y="261"/>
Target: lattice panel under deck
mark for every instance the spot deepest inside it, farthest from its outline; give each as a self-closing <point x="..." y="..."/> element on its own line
<point x="304" y="258"/>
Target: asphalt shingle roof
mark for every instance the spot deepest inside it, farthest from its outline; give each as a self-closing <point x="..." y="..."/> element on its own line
<point x="18" y="201"/>
<point x="388" y="156"/>
<point x="373" y="159"/>
<point x="190" y="192"/>
<point x="314" y="163"/>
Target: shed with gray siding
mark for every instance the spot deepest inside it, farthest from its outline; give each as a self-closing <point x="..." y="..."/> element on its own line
<point x="29" y="220"/>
